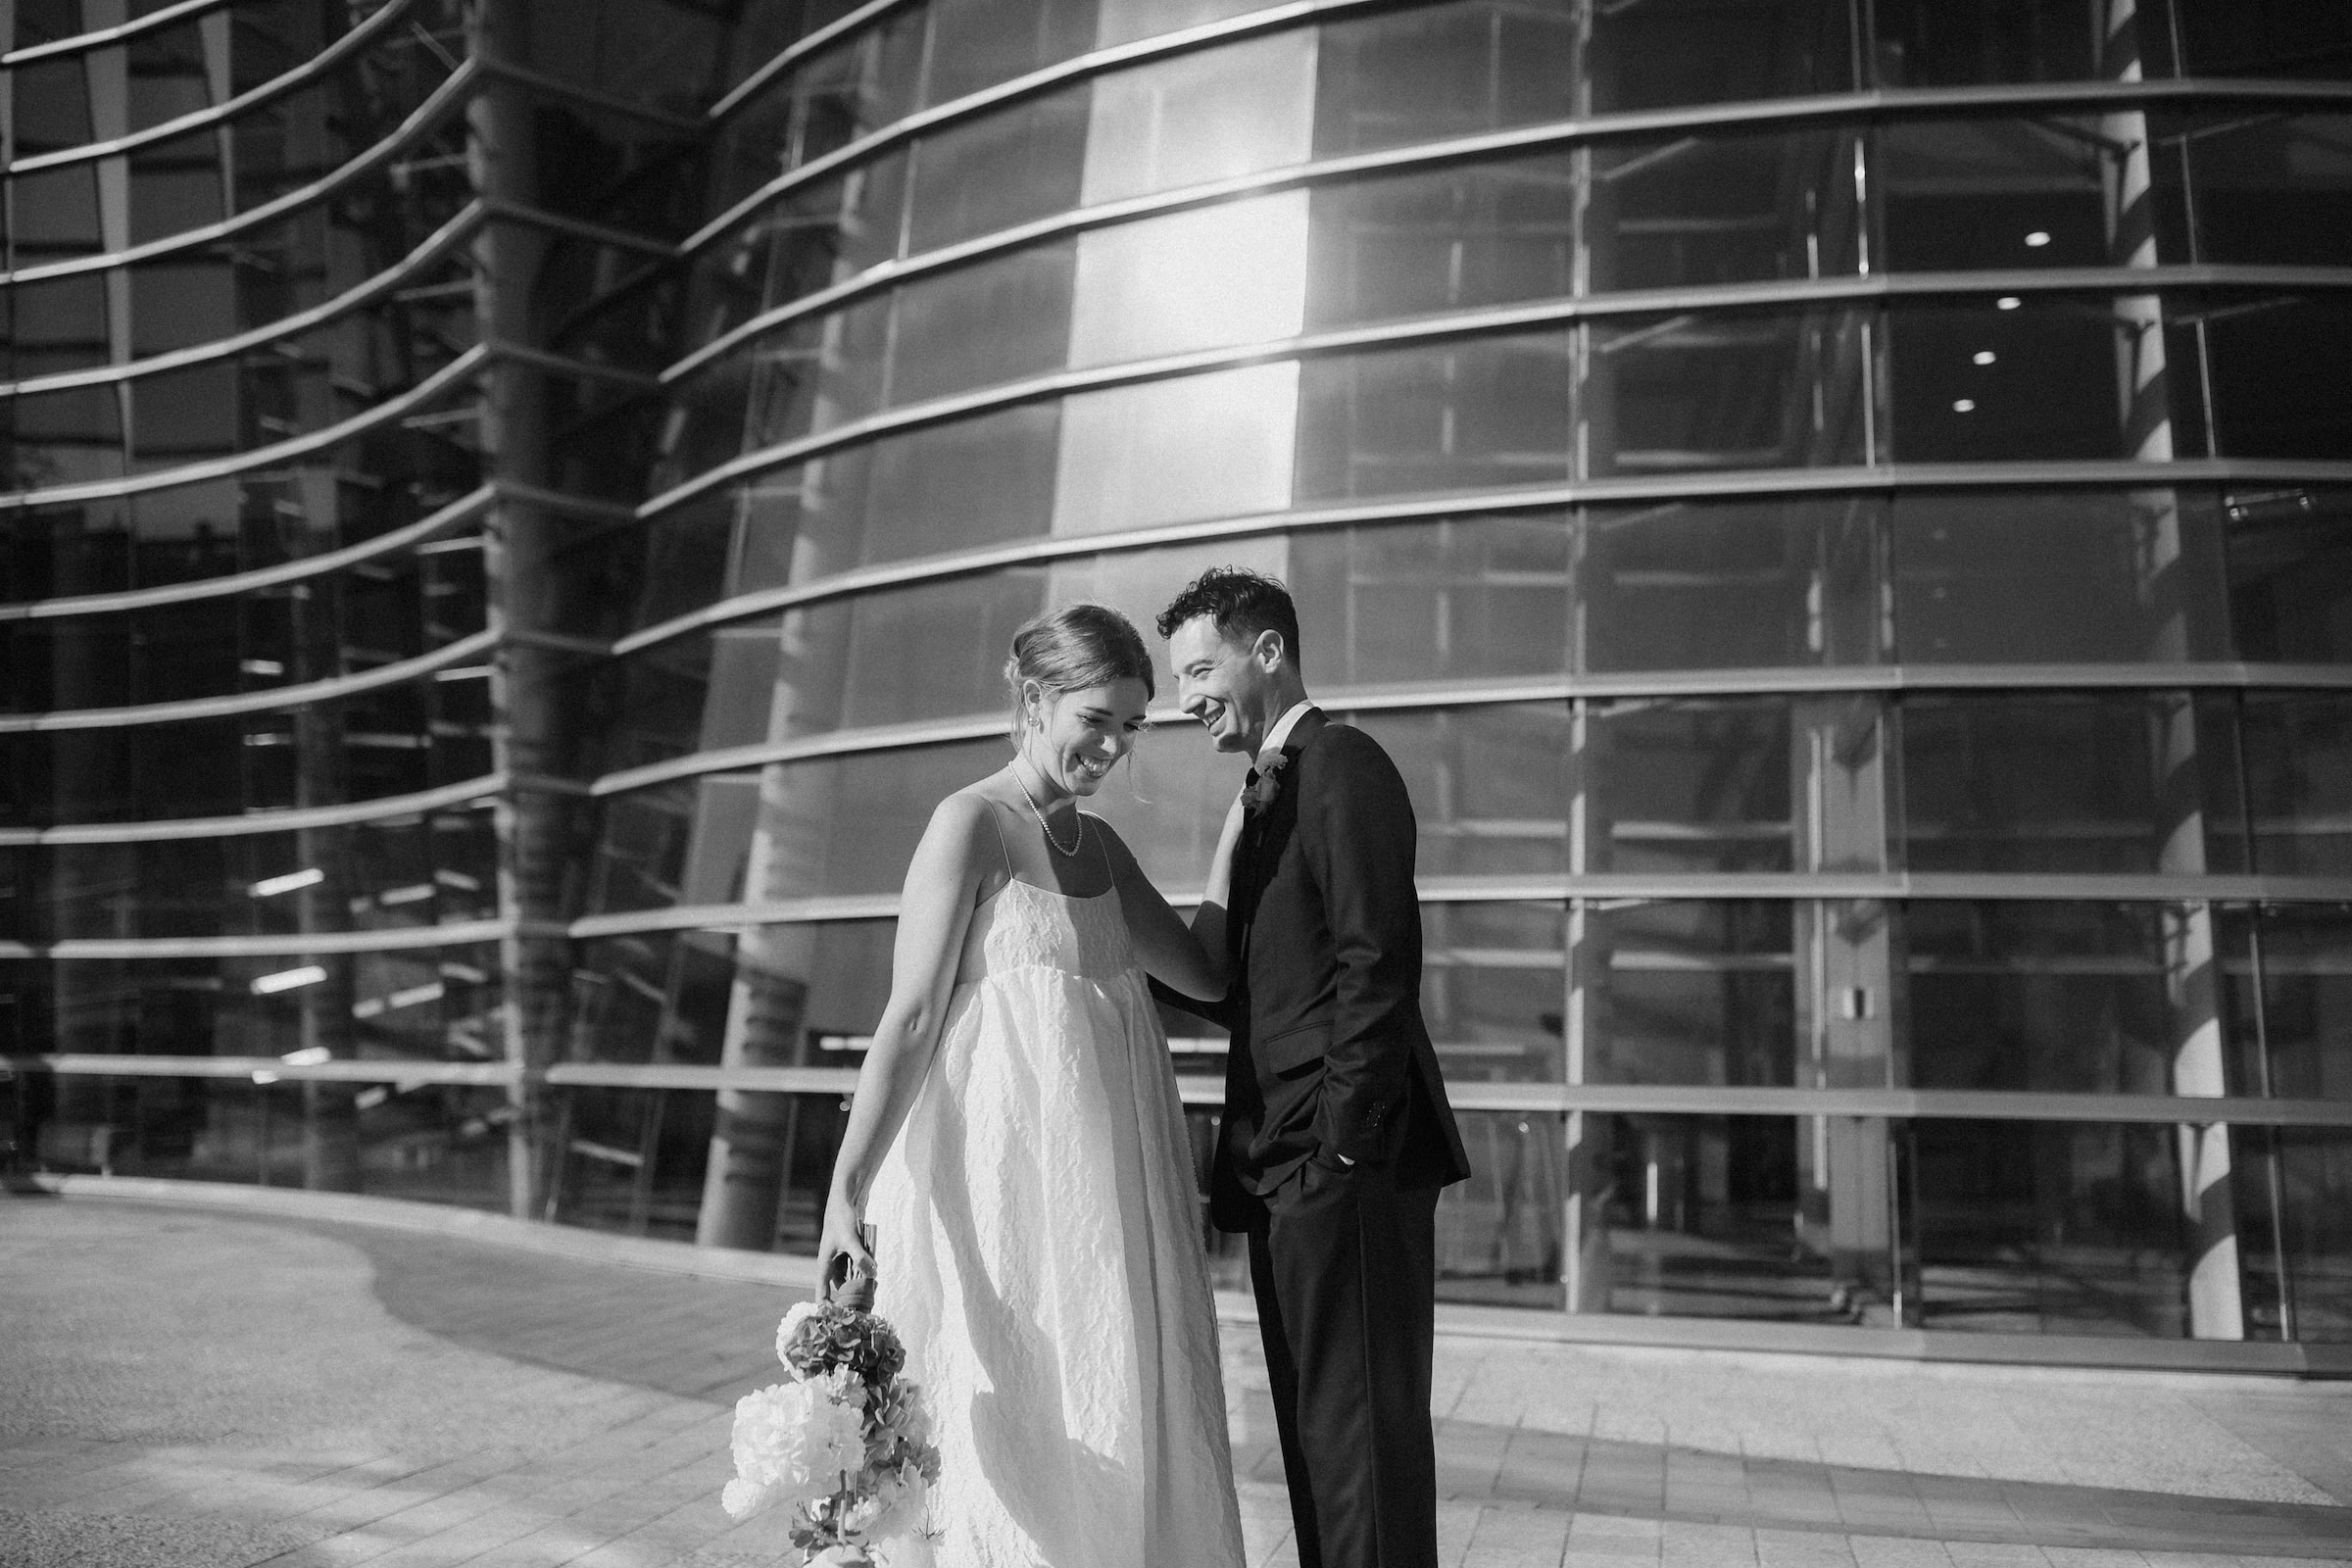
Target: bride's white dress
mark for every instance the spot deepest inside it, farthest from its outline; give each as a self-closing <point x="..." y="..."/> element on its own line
<point x="1038" y="1250"/>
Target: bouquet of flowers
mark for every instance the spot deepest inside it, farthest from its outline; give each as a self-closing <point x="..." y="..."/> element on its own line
<point x="847" y="1441"/>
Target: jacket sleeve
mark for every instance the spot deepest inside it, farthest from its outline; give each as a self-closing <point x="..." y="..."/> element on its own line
<point x="1357" y="821"/>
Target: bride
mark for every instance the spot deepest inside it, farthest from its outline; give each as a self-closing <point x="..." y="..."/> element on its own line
<point x="1018" y="1141"/>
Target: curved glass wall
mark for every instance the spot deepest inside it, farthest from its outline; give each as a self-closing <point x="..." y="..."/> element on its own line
<point x="1839" y="508"/>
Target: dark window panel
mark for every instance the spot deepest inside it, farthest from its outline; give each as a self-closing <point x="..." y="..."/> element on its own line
<point x="1491" y="411"/>
<point x="979" y="325"/>
<point x="2117" y="782"/>
<point x="2273" y="191"/>
<point x="2058" y="578"/>
<point x="993" y="173"/>
<point x="2032" y="378"/>
<point x="1964" y="194"/>
<point x="1500" y="1240"/>
<point x="1724" y="584"/>
<point x="2298" y="759"/>
<point x="2290" y="576"/>
<point x="1462" y="599"/>
<point x="1927" y="43"/>
<point x="1442" y="71"/>
<point x="2315" y="1228"/>
<point x="1687" y="992"/>
<point x="1488" y="785"/>
<point x="2272" y="366"/>
<point x="2306" y="39"/>
<point x="2288" y="983"/>
<point x="978" y="43"/>
<point x="1696" y="392"/>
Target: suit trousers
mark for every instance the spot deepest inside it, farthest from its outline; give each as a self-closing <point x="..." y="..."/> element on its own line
<point x="1344" y="1265"/>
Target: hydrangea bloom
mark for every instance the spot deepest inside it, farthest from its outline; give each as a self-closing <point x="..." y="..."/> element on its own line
<point x="797" y="1441"/>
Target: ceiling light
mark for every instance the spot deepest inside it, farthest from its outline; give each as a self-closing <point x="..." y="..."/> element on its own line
<point x="1964" y="406"/>
<point x="310" y="974"/>
<point x="1984" y="356"/>
<point x="269" y="886"/>
<point x="2007" y="302"/>
<point x="2038" y="238"/>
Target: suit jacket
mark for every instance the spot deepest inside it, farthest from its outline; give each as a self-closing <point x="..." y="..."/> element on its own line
<point x="1329" y="1053"/>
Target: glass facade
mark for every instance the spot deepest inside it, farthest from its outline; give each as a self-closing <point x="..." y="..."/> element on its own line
<point x="1841" y="509"/>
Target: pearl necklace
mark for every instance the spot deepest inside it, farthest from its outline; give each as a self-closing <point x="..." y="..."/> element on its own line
<point x="1046" y="826"/>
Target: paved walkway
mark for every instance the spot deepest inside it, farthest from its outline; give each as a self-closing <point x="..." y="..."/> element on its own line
<point x="201" y="1390"/>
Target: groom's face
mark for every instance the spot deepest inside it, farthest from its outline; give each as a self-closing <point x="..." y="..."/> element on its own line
<point x="1223" y="683"/>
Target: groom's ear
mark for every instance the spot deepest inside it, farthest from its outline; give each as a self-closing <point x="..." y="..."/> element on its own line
<point x="1268" y="649"/>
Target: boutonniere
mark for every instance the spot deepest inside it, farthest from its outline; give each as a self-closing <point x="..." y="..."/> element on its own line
<point x="1268" y="782"/>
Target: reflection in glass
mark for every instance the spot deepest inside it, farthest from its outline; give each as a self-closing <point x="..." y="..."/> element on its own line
<point x="1198" y="279"/>
<point x="1689" y="393"/>
<point x="1684" y="992"/>
<point x="2059" y="577"/>
<point x="426" y="1142"/>
<point x="1494" y="988"/>
<point x="2290" y="576"/>
<point x="1958" y="42"/>
<point x="1500" y="1239"/>
<point x="1725" y="584"/>
<point x="2256" y="189"/>
<point x="1003" y="168"/>
<point x="1487" y="784"/>
<point x="1129" y="455"/>
<point x="1195" y="118"/>
<point x="2315" y="1224"/>
<point x="2060" y="997"/>
<point x="2120" y="782"/>
<point x="1488" y="412"/>
<point x="1459" y="599"/>
<point x="2051" y="1228"/>
<point x="2271" y="364"/>
<point x="2293" y="1038"/>
<point x="1679" y="785"/>
<point x="2298" y="761"/>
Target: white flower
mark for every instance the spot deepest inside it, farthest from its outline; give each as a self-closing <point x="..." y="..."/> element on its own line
<point x="800" y="1313"/>
<point x="794" y="1441"/>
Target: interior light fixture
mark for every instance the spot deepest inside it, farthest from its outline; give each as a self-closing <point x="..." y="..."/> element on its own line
<point x="310" y="974"/>
<point x="308" y="1056"/>
<point x="2007" y="302"/>
<point x="1984" y="356"/>
<point x="2038" y="238"/>
<point x="262" y="666"/>
<point x="269" y="886"/>
<point x="1964" y="406"/>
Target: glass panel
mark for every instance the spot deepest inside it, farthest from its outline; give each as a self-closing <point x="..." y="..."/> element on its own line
<point x="1230" y="274"/>
<point x="1004" y="169"/>
<point x="981" y="325"/>
<point x="977" y="43"/>
<point x="2051" y="1228"/>
<point x="927" y="652"/>
<point x="1130" y="455"/>
<point x="2069" y="997"/>
<point x="2292" y="1038"/>
<point x="2290" y="576"/>
<point x="1963" y="194"/>
<point x="428" y="1143"/>
<point x="1438" y="72"/>
<point x="1213" y="114"/>
<point x="1700" y="1216"/>
<point x="2020" y="377"/>
<point x="2272" y="369"/>
<point x="1728" y="584"/>
<point x="1493" y="989"/>
<point x="1459" y="599"/>
<point x="2316" y="1229"/>
<point x="2299" y="38"/>
<point x="2258" y="190"/>
<point x="1684" y="992"/>
<point x="1694" y="392"/>
<point x="1488" y="412"/>
<point x="1663" y="56"/>
<point x="2069" y="576"/>
<point x="1926" y="43"/>
<point x="2120" y="782"/>
<point x="1686" y="786"/>
<point x="1487" y="785"/>
<point x="2298" y="751"/>
<point x="1500" y="1239"/>
<point x="632" y="1160"/>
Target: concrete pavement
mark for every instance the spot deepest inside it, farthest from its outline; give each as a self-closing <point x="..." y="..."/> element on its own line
<point x="186" y="1387"/>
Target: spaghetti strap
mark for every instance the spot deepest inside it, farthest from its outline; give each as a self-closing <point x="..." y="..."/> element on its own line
<point x="1004" y="848"/>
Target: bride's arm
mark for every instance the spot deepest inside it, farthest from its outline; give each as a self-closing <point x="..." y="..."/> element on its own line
<point x="942" y="884"/>
<point x="1192" y="961"/>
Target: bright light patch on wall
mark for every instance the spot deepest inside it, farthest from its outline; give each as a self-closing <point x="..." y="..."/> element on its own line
<point x="1985" y="357"/>
<point x="1964" y="406"/>
<point x="2038" y="238"/>
<point x="310" y="974"/>
<point x="269" y="886"/>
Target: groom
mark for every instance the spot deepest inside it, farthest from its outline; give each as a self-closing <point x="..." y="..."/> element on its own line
<point x="1337" y="1134"/>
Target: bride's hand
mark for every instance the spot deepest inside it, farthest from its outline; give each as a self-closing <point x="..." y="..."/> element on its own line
<point x="842" y="1238"/>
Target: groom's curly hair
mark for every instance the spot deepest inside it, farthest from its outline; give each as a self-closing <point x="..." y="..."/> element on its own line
<point x="1240" y="604"/>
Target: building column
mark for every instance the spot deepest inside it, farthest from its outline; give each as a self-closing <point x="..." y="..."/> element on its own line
<point x="526" y="697"/>
<point x="2216" y="1306"/>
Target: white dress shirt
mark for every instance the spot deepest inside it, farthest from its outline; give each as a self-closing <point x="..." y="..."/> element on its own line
<point x="1283" y="726"/>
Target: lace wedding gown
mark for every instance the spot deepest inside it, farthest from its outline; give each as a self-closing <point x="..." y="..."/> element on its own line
<point x="1037" y="1239"/>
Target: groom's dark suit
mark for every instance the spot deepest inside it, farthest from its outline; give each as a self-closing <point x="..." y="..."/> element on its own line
<point x="1331" y="1062"/>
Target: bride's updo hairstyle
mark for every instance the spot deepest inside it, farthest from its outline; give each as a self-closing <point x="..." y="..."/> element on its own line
<point x="1073" y="648"/>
